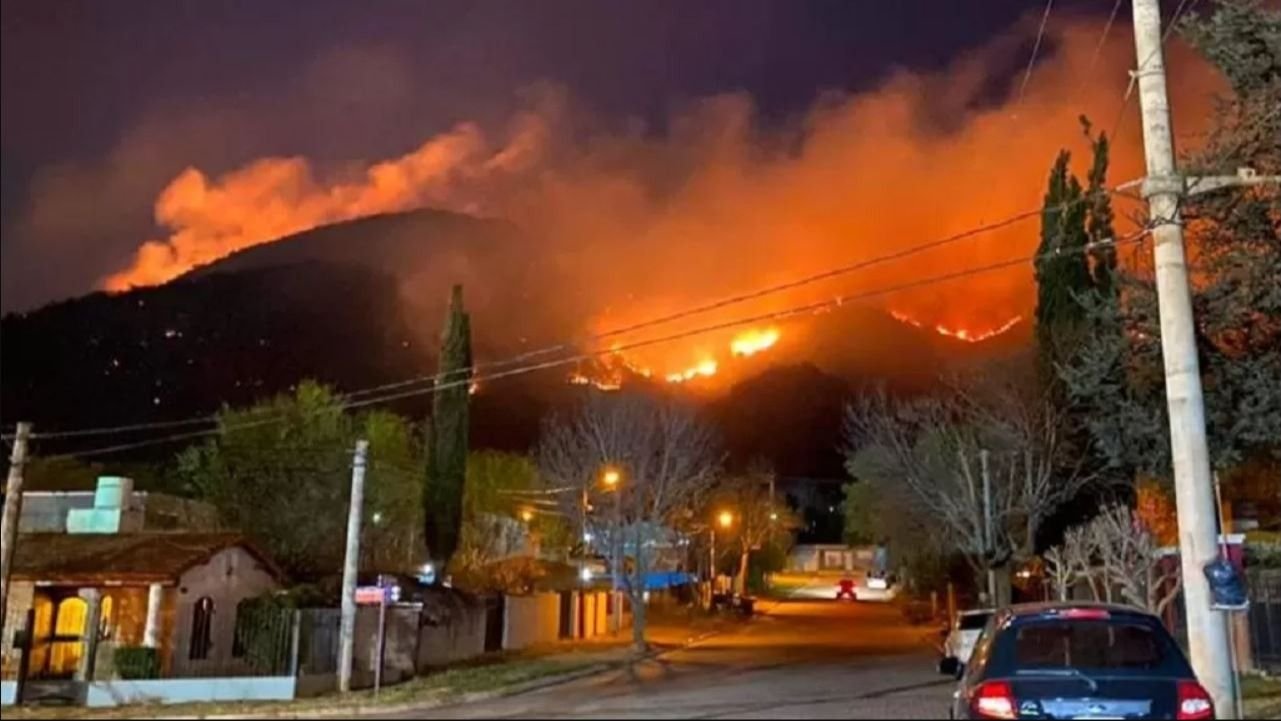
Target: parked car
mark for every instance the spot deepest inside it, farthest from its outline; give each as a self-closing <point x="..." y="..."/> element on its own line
<point x="1063" y="661"/>
<point x="963" y="633"/>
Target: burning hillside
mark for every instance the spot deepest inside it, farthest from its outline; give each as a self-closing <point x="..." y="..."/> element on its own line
<point x="622" y="226"/>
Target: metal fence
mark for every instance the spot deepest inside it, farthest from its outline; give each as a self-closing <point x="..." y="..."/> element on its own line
<point x="1265" y="617"/>
<point x="262" y="644"/>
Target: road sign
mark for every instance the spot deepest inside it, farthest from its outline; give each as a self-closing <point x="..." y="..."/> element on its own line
<point x="372" y="595"/>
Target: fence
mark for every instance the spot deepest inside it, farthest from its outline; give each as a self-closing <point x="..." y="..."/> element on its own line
<point x="1265" y="618"/>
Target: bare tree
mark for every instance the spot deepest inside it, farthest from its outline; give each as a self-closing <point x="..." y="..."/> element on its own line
<point x="757" y="516"/>
<point x="1133" y="560"/>
<point x="1118" y="554"/>
<point x="659" y="458"/>
<point x="940" y="449"/>
<point x="1061" y="571"/>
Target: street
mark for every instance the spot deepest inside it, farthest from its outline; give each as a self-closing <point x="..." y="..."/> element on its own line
<point x="796" y="659"/>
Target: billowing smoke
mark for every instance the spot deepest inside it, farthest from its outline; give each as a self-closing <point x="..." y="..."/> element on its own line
<point x="721" y="201"/>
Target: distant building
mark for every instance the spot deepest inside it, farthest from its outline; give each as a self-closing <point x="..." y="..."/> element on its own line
<point x="113" y="508"/>
<point x="820" y="557"/>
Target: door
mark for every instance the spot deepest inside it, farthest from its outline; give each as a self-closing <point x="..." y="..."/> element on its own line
<point x="494" y="613"/>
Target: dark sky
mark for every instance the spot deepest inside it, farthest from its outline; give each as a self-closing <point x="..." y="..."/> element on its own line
<point x="112" y="99"/>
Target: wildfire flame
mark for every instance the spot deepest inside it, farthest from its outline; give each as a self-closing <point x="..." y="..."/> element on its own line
<point x="753" y="341"/>
<point x="705" y="369"/>
<point x="962" y="334"/>
<point x="612" y="370"/>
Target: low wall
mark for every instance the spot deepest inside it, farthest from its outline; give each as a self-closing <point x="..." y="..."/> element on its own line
<point x="531" y="620"/>
<point x="459" y="638"/>
<point x="311" y="685"/>
<point x="8" y="691"/>
<point x="104" y="694"/>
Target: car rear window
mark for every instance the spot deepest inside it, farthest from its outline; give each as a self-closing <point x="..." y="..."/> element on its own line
<point x="974" y="621"/>
<point x="1089" y="644"/>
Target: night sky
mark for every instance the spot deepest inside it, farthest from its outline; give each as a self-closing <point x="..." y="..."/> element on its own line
<point x="108" y="101"/>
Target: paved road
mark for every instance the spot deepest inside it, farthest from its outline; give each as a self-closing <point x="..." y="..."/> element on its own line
<point x="801" y="659"/>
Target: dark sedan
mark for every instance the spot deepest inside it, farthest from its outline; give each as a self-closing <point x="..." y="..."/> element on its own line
<point x="1077" y="661"/>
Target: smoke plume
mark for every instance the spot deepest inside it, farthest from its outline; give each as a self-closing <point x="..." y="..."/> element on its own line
<point x="648" y="221"/>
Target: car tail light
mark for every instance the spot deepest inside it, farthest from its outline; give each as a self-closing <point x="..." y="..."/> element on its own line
<point x="1194" y="701"/>
<point x="1085" y="614"/>
<point x="994" y="699"/>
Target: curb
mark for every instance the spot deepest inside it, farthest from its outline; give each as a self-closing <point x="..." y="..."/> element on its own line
<point x="467" y="698"/>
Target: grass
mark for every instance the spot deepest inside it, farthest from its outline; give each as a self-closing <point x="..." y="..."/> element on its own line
<point x="1262" y="697"/>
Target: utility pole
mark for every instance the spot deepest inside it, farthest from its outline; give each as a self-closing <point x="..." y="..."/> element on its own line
<point x="12" y="514"/>
<point x="987" y="527"/>
<point x="347" y="630"/>
<point x="1194" y="493"/>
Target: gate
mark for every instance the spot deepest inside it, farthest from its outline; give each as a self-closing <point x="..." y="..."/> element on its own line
<point x="495" y="610"/>
<point x="1265" y="617"/>
<point x="566" y="614"/>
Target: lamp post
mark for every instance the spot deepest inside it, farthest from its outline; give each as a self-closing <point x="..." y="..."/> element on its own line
<point x="611" y="478"/>
<point x="725" y="519"/>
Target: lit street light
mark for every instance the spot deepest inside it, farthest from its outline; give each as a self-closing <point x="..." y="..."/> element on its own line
<point x="726" y="519"/>
<point x="611" y="477"/>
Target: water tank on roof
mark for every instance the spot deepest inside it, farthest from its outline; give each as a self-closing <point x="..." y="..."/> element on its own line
<point x="113" y="492"/>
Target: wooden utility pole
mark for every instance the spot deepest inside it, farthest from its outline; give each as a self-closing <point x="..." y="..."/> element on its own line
<point x="12" y="514"/>
<point x="347" y="629"/>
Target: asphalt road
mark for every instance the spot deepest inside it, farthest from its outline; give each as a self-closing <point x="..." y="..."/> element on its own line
<point x="799" y="659"/>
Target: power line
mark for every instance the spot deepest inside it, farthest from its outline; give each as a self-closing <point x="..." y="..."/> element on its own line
<point x="1103" y="38"/>
<point x="1134" y="76"/>
<point x="571" y="345"/>
<point x="1036" y="48"/>
<point x="793" y="311"/>
<point x="375" y="391"/>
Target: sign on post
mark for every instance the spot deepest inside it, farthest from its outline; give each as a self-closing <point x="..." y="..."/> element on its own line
<point x="372" y="595"/>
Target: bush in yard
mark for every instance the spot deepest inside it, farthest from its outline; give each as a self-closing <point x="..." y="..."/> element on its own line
<point x="135" y="663"/>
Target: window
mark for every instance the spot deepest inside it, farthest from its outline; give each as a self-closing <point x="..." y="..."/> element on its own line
<point x="974" y="621"/>
<point x="1087" y="645"/>
<point x="201" y="629"/>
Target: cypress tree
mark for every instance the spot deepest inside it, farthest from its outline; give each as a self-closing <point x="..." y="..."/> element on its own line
<point x="447" y="442"/>
<point x="1062" y="268"/>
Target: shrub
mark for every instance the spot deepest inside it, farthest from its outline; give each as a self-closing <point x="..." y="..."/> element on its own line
<point x="135" y="663"/>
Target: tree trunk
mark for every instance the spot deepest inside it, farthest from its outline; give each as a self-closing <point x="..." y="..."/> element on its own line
<point x="740" y="583"/>
<point x="638" y="622"/>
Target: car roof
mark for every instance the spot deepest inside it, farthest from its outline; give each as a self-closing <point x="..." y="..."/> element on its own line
<point x="978" y="612"/>
<point x="1027" y="610"/>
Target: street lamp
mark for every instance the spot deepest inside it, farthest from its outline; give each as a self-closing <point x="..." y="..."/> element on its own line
<point x="526" y="515"/>
<point x="725" y="519"/>
<point x="611" y="477"/>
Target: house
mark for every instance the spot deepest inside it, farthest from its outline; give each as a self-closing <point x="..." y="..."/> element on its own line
<point x="817" y="558"/>
<point x="177" y="592"/>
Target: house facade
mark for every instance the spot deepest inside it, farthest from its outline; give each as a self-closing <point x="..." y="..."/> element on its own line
<point x="177" y="592"/>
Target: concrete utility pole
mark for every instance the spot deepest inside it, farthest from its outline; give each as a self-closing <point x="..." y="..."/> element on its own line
<point x="347" y="632"/>
<point x="1194" y="493"/>
<point x="12" y="514"/>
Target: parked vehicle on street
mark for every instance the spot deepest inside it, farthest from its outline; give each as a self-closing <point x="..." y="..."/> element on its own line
<point x="845" y="589"/>
<point x="963" y="633"/>
<point x="1076" y="661"/>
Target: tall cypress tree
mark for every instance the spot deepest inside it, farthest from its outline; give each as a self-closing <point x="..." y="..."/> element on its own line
<point x="447" y="441"/>
<point x="1099" y="224"/>
<point x="1062" y="268"/>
